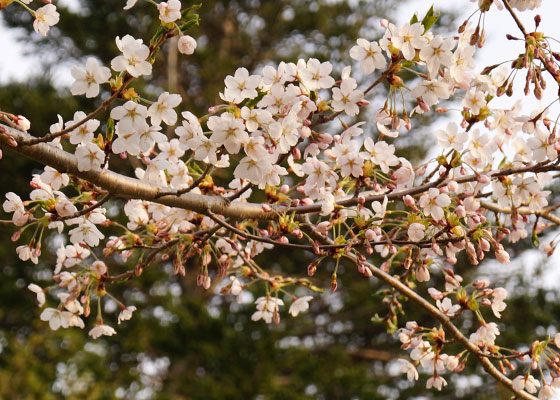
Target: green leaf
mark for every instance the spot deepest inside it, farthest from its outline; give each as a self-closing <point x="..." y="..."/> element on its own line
<point x="430" y="18"/>
<point x="414" y="19"/>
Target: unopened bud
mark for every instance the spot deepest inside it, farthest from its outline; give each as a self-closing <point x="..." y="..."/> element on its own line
<point x="325" y="138"/>
<point x="484" y="179"/>
<point x="481" y="283"/>
<point x="334" y="283"/>
<point x="370" y="235"/>
<point x="409" y="201"/>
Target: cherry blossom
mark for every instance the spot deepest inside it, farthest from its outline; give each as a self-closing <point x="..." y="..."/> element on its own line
<point x="88" y="79"/>
<point x="369" y="54"/>
<point x="186" y="45"/>
<point x="100" y="329"/>
<point x="133" y="59"/>
<point x="300" y="305"/>
<point x="45" y="17"/>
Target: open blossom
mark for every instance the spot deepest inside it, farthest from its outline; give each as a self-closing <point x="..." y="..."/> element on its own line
<point x="346" y="97"/>
<point x="526" y="382"/>
<point x="451" y="137"/>
<point x="126" y="313"/>
<point x="486" y="334"/>
<point x="446" y="307"/>
<point x="369" y="54"/>
<point x="315" y="75"/>
<point x="408" y="38"/>
<point x="267" y="307"/>
<point x="86" y="232"/>
<point x="546" y="392"/>
<point x="133" y="58"/>
<point x="498" y="304"/>
<point x="89" y="156"/>
<point x="433" y="203"/>
<point x="438" y="53"/>
<point x="436" y="382"/>
<point x="416" y="231"/>
<point x="300" y="305"/>
<point x="409" y="369"/>
<point x="14" y="204"/>
<point x="431" y="91"/>
<point x="186" y="45"/>
<point x="88" y="79"/>
<point x="85" y="132"/>
<point x="45" y="17"/>
<point x="39" y="292"/>
<point x="169" y="11"/>
<point x="162" y="110"/>
<point x="100" y="330"/>
<point x="56" y="318"/>
<point x="241" y="86"/>
<point x="130" y="4"/>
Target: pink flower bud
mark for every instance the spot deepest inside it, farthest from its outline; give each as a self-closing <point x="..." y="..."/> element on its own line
<point x="384" y="23"/>
<point x="22" y="122"/>
<point x="409" y="201"/>
<point x="481" y="283"/>
<point x="206" y="282"/>
<point x="423" y="105"/>
<point x="336" y="138"/>
<point x="502" y="256"/>
<point x="460" y="211"/>
<point x="306" y="201"/>
<point x="284" y="189"/>
<point x="451" y="260"/>
<point x="363" y="103"/>
<point x="284" y="239"/>
<point x="305" y="132"/>
<point x="485" y="302"/>
<point x="484" y="179"/>
<point x="296" y="153"/>
<point x="325" y="138"/>
<point x="435" y="294"/>
<point x="324" y="226"/>
<point x="370" y="235"/>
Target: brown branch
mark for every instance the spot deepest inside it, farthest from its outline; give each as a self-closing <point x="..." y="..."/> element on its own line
<point x="445" y="321"/>
<point x="208" y="170"/>
<point x="86" y="210"/>
<point x="124" y="186"/>
<point x="522" y="211"/>
<point x="515" y="18"/>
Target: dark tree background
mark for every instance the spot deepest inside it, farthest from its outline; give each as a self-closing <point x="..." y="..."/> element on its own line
<point x="184" y="342"/>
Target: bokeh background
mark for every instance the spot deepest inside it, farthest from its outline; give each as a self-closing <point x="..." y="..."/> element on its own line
<point x="187" y="343"/>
